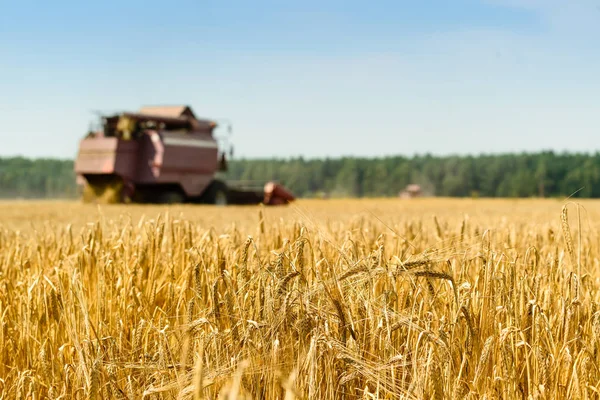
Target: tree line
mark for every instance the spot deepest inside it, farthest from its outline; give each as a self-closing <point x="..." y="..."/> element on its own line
<point x="544" y="174"/>
<point x="36" y="178"/>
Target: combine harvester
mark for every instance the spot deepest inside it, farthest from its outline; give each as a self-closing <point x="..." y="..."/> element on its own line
<point x="162" y="155"/>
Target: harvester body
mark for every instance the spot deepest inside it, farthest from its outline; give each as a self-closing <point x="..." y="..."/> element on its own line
<point x="160" y="154"/>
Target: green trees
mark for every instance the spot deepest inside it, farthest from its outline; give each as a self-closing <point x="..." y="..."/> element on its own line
<point x="22" y="177"/>
<point x="545" y="174"/>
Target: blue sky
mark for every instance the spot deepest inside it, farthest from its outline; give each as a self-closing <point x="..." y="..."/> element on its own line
<point x="311" y="78"/>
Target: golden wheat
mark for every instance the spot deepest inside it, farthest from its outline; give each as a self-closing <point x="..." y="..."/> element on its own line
<point x="361" y="299"/>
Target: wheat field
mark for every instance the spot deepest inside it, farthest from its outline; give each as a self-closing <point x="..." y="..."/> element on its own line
<point x="338" y="299"/>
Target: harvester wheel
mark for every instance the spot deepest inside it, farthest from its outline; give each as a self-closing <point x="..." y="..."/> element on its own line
<point x="171" y="197"/>
<point x="217" y="194"/>
<point x="221" y="198"/>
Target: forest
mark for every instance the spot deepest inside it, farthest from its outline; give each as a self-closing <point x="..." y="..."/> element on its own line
<point x="543" y="174"/>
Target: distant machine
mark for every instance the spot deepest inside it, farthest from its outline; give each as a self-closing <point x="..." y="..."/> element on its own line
<point x="411" y="191"/>
<point x="163" y="154"/>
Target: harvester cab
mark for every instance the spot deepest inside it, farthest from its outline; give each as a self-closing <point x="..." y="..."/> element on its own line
<point x="162" y="154"/>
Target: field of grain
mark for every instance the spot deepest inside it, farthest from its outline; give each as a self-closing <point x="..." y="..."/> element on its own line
<point x="353" y="299"/>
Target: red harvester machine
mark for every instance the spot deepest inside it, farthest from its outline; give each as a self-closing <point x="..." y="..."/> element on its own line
<point x="162" y="155"/>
